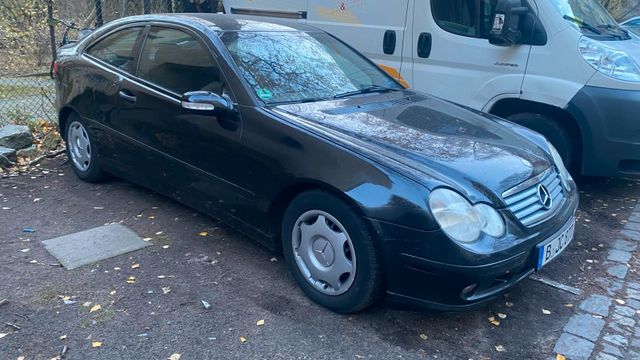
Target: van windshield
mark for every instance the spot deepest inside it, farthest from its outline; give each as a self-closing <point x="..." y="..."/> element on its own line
<point x="590" y="17"/>
<point x="294" y="66"/>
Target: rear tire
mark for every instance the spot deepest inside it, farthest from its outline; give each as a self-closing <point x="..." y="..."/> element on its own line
<point x="81" y="150"/>
<point x="312" y="223"/>
<point x="555" y="132"/>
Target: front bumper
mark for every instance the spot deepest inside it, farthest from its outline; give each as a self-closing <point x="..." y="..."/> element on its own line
<point x="610" y="126"/>
<point x="427" y="270"/>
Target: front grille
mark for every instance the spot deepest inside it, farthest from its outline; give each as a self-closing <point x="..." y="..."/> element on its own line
<point x="524" y="202"/>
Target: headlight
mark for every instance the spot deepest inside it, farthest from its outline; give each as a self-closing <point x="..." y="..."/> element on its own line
<point x="462" y="221"/>
<point x="557" y="160"/>
<point x="611" y="62"/>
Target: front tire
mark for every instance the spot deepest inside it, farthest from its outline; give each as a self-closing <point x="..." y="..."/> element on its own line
<point x="81" y="150"/>
<point x="331" y="253"/>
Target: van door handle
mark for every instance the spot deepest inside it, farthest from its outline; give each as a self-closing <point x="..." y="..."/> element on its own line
<point x="389" y="42"/>
<point x="424" y="45"/>
<point x="127" y="96"/>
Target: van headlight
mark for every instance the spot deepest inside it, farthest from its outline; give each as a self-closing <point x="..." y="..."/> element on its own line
<point x="565" y="177"/>
<point x="611" y="62"/>
<point x="462" y="221"/>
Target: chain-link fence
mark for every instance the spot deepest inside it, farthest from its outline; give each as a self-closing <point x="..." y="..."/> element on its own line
<point x="31" y="31"/>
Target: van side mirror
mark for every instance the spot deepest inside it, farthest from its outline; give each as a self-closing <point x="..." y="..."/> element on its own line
<point x="506" y="29"/>
<point x="207" y="101"/>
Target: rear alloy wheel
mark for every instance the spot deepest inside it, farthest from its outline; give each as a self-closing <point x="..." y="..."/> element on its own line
<point x="81" y="152"/>
<point x="330" y="253"/>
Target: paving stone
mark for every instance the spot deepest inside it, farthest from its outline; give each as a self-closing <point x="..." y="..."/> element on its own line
<point x="633" y="235"/>
<point x="624" y="245"/>
<point x="635" y="342"/>
<point x="617" y="328"/>
<point x="624" y="311"/>
<point x="632" y="226"/>
<point x="634" y="285"/>
<point x="623" y="320"/>
<point x="596" y="304"/>
<point x="635" y="217"/>
<point x="634" y="304"/>
<point x="619" y="256"/>
<point x="634" y="355"/>
<point x="573" y="347"/>
<point x="614" y="287"/>
<point x="585" y="325"/>
<point x="610" y="349"/>
<point x="603" y="356"/>
<point x="616" y="339"/>
<point x="633" y="293"/>
<point x="619" y="271"/>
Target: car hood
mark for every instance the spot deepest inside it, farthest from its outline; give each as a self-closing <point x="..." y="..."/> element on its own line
<point x="431" y="140"/>
<point x="631" y="46"/>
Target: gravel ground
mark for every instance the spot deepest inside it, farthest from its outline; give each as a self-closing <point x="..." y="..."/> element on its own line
<point x="161" y="313"/>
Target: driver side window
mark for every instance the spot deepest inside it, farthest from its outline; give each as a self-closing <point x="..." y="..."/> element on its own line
<point x="117" y="49"/>
<point x="472" y="18"/>
<point x="178" y="62"/>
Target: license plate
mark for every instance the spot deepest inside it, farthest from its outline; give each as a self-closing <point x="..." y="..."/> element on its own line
<point x="548" y="250"/>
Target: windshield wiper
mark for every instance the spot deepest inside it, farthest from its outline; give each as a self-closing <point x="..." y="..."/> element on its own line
<point x="582" y="24"/>
<point x="364" y="90"/>
<point x="625" y="34"/>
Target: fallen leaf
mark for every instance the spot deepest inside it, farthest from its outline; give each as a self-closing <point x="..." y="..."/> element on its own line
<point x="3" y="335"/>
<point x="36" y="199"/>
<point x="546" y="312"/>
<point x="560" y="357"/>
<point x="165" y="247"/>
<point x="260" y="323"/>
<point x="96" y="344"/>
<point x="25" y="250"/>
<point x="6" y="208"/>
<point x="204" y="233"/>
<point x="424" y="336"/>
<point x="493" y="320"/>
<point x="161" y="276"/>
<point x="113" y="292"/>
<point x="175" y="356"/>
<point x="273" y="259"/>
<point x="95" y="308"/>
<point x="568" y="305"/>
<point x="131" y="280"/>
<point x="205" y="305"/>
<point x="98" y="208"/>
<point x="33" y="262"/>
<point x="509" y="304"/>
<point x="87" y="304"/>
<point x="620" y="301"/>
<point x="159" y="233"/>
<point x="152" y="217"/>
<point x="147" y="239"/>
<point x="135" y="266"/>
<point x="500" y="348"/>
<point x="243" y="339"/>
<point x="63" y="337"/>
<point x="166" y="290"/>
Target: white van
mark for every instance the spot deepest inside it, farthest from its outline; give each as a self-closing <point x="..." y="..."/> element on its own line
<point x="561" y="67"/>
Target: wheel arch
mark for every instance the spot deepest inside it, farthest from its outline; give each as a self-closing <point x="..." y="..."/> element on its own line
<point x="63" y="116"/>
<point x="512" y="106"/>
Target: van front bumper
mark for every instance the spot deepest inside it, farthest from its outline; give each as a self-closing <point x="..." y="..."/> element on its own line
<point x="609" y="120"/>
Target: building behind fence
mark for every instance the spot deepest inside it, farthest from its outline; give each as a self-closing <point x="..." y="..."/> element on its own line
<point x="31" y="31"/>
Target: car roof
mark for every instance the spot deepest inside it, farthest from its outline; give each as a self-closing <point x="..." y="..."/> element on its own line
<point x="222" y="22"/>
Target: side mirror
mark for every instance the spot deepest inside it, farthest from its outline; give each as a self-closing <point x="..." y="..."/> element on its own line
<point x="506" y="29"/>
<point x="207" y="101"/>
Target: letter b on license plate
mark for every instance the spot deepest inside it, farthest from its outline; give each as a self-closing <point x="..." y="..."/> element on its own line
<point x="548" y="250"/>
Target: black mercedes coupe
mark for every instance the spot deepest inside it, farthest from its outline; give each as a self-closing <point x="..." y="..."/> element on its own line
<point x="286" y="133"/>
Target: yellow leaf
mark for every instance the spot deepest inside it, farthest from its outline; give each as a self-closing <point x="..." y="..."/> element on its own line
<point x="175" y="356"/>
<point x="568" y="305"/>
<point x="493" y="320"/>
<point x="87" y="304"/>
<point x="131" y="280"/>
<point x="96" y="344"/>
<point x="424" y="336"/>
<point x="204" y="233"/>
<point x="135" y="266"/>
<point x="560" y="357"/>
<point x="243" y="339"/>
<point x="95" y="308"/>
<point x="260" y="323"/>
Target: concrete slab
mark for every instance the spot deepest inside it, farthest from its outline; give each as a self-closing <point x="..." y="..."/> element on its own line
<point x="90" y="246"/>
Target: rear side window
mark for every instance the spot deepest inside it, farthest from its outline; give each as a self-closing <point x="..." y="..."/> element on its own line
<point x="117" y="49"/>
<point x="471" y="18"/>
<point x="178" y="62"/>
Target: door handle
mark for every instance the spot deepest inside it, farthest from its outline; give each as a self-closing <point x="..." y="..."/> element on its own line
<point x="424" y="45"/>
<point x="127" y="96"/>
<point x="389" y="42"/>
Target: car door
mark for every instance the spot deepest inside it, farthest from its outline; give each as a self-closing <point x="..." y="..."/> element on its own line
<point x="108" y="60"/>
<point x="189" y="152"/>
<point x="452" y="57"/>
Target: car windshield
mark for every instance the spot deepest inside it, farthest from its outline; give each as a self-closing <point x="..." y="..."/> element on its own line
<point x="291" y="67"/>
<point x="588" y="15"/>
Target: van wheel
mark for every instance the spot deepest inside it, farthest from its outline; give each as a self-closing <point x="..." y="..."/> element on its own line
<point x="330" y="253"/>
<point x="557" y="134"/>
<point x="81" y="150"/>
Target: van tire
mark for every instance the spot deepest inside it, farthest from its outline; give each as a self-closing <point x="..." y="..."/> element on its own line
<point x="555" y="132"/>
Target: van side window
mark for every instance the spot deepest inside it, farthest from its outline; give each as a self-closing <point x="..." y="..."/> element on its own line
<point x="117" y="49"/>
<point x="471" y="18"/>
<point x="178" y="62"/>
